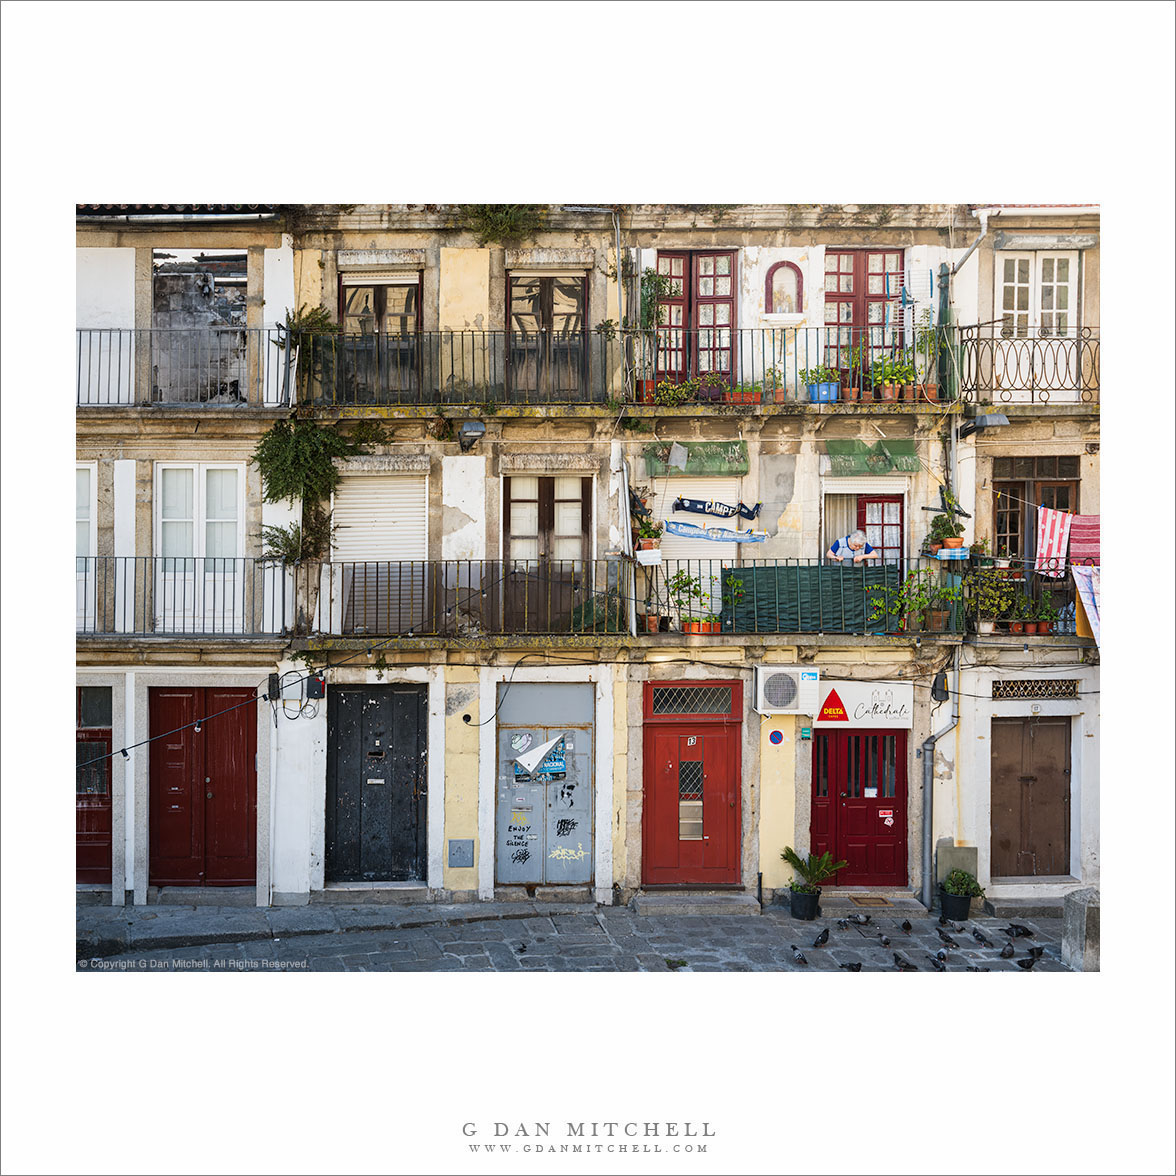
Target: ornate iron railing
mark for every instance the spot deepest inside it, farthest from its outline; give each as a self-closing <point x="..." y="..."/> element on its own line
<point x="1037" y="367"/>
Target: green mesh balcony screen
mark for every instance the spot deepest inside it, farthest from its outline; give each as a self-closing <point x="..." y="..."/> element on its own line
<point x="805" y="598"/>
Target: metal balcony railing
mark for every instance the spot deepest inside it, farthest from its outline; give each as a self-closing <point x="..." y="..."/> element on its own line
<point x="165" y="596"/>
<point x="1038" y="366"/>
<point x="225" y="366"/>
<point x="1011" y="597"/>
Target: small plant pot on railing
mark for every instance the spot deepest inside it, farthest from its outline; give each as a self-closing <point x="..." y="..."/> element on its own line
<point x="823" y="393"/>
<point x="890" y="392"/>
<point x="652" y="622"/>
<point x="928" y="392"/>
<point x="648" y="544"/>
<point x="851" y="391"/>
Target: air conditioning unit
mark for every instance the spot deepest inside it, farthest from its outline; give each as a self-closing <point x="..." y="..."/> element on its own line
<point x="786" y="690"/>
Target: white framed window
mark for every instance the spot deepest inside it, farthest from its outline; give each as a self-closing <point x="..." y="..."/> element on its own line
<point x="1036" y="294"/>
<point x="200" y="510"/>
<point x="86" y="541"/>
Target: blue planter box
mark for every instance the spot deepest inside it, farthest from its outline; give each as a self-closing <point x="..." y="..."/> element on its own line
<point x="823" y="393"/>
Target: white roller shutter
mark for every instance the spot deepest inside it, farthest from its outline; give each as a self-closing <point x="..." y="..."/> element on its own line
<point x="381" y="516"/>
<point x="380" y="578"/>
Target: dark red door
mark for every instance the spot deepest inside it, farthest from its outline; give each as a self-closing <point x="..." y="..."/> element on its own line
<point x="203" y="795"/>
<point x="698" y="332"/>
<point x="93" y="805"/>
<point x="859" y="804"/>
<point x="691" y="819"/>
<point x="880" y="517"/>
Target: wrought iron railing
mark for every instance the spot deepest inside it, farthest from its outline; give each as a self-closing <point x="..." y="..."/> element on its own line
<point x="169" y="596"/>
<point x="1013" y="597"/>
<point x="226" y="366"/>
<point x="1039" y="366"/>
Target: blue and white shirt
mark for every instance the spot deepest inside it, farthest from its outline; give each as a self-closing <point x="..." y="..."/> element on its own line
<point x="841" y="548"/>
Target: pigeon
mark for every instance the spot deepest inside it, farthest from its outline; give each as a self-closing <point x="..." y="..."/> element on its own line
<point x="861" y="920"/>
<point x="843" y="924"/>
<point x="1027" y="964"/>
<point x="945" y="937"/>
<point x="941" y="955"/>
<point x="937" y="964"/>
<point x="822" y="939"/>
<point x="978" y="936"/>
<point x="1006" y="952"/>
<point x="1016" y="930"/>
<point x="975" y="968"/>
<point x="1036" y="952"/>
<point x="903" y="965"/>
<point x="885" y="939"/>
<point x="906" y="926"/>
<point x="522" y="947"/>
<point x="856" y="966"/>
<point x="797" y="954"/>
<point x="943" y="920"/>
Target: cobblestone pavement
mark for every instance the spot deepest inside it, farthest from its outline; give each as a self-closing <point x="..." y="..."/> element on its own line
<point x="605" y="939"/>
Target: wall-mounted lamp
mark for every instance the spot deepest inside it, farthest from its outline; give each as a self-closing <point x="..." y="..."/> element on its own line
<point x="470" y="433"/>
<point x="987" y="420"/>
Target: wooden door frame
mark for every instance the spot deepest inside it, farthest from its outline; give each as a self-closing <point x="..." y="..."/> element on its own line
<point x="689" y="303"/>
<point x="899" y="498"/>
<point x="732" y="722"/>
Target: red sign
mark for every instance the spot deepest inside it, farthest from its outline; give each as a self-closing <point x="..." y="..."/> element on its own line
<point x="886" y="812"/>
<point x="833" y="710"/>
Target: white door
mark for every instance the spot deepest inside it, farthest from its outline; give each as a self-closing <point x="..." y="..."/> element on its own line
<point x="699" y="560"/>
<point x="1036" y="354"/>
<point x="200" y="574"/>
<point x="378" y="573"/>
<point x="86" y="549"/>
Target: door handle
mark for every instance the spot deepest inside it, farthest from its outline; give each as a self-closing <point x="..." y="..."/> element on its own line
<point x="844" y="795"/>
<point x="208" y="796"/>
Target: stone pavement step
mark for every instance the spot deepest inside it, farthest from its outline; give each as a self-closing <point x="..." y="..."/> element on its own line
<point x="840" y="905"/>
<point x="221" y="896"/>
<point x="686" y="903"/>
<point x="1025" y="908"/>
<point x="393" y="894"/>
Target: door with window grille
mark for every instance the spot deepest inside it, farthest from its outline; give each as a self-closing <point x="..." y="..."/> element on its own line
<point x="859" y="799"/>
<point x="692" y="807"/>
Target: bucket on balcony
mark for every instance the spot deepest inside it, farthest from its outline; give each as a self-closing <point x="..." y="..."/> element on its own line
<point x="825" y="393"/>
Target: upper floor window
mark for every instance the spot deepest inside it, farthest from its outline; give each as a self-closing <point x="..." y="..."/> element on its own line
<point x="1035" y="294"/>
<point x="784" y="289"/>
<point x="1022" y="484"/>
<point x="380" y="305"/>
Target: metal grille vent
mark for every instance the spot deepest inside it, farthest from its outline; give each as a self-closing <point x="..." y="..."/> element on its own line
<point x="692" y="700"/>
<point x="1009" y="688"/>
<point x="780" y="690"/>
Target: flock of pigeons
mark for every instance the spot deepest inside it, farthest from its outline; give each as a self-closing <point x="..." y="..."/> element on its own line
<point x="939" y="960"/>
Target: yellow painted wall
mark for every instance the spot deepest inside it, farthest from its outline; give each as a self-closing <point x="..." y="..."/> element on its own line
<point x="777" y="797"/>
<point x="461" y="777"/>
<point x="465" y="290"/>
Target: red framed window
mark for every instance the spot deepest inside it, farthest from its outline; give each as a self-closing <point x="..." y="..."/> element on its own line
<point x="698" y="335"/>
<point x="863" y="289"/>
<point x="880" y="516"/>
<point x="784" y="289"/>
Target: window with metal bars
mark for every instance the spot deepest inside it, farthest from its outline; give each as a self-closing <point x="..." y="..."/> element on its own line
<point x="692" y="700"/>
<point x="1048" y="688"/>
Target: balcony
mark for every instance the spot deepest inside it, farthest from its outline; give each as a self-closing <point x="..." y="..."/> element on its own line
<point x="163" y="596"/>
<point x="227" y="366"/>
<point x="1039" y="367"/>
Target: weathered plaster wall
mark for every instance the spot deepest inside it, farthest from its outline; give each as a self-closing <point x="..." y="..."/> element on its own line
<point x="463" y="507"/>
<point x="464" y="289"/>
<point x="461" y="773"/>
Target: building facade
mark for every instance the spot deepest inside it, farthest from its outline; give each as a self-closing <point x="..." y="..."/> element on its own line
<point x="465" y="675"/>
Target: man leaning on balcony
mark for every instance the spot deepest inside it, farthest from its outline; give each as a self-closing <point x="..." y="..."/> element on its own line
<point x="852" y="549"/>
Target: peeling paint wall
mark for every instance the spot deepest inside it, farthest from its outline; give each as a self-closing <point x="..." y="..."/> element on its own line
<point x="461" y="774"/>
<point x="463" y="507"/>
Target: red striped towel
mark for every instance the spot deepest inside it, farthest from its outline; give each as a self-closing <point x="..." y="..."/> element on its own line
<point x="1053" y="533"/>
<point x="1084" y="540"/>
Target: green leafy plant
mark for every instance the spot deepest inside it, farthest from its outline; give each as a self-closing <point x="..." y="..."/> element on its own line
<point x="654" y="287"/>
<point x="989" y="595"/>
<point x="811" y="871"/>
<point x="964" y="884"/>
<point x="1022" y="608"/>
<point x="607" y="329"/>
<point x="1045" y="611"/>
<point x="499" y="224"/>
<point x="734" y="590"/>
<point x="647" y="528"/>
<point x="686" y="592"/>
<point x="603" y="612"/>
<point x="670" y="394"/>
<point x="820" y="375"/>
<point x="309" y="540"/>
<point x="296" y="458"/>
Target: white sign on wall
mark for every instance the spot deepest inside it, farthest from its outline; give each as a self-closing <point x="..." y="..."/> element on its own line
<point x="865" y="704"/>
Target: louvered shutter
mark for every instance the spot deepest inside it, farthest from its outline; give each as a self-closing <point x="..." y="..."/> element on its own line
<point x="379" y="552"/>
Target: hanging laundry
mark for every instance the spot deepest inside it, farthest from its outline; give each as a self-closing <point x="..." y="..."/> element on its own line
<point x="1084" y="540"/>
<point x="714" y="534"/>
<point x="1053" y="533"/>
<point x="701" y="506"/>
<point x="1087" y="581"/>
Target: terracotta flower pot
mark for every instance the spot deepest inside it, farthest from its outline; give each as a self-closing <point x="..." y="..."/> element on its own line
<point x="1044" y="628"/>
<point x="851" y="391"/>
<point x="644" y="544"/>
<point x="652" y="623"/>
<point x="908" y="393"/>
<point x="1031" y="627"/>
<point x="1016" y="626"/>
<point x="937" y="619"/>
<point x="891" y="391"/>
<point x="935" y="547"/>
<point x="929" y="392"/>
<point x="953" y="541"/>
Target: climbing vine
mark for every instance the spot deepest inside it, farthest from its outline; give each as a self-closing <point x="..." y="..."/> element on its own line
<point x="296" y="458"/>
<point x="499" y="224"/>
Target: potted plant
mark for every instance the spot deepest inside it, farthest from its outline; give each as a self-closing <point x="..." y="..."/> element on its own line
<point x="808" y="874"/>
<point x="775" y="385"/>
<point x="685" y="591"/>
<point x="654" y="288"/>
<point x="649" y="534"/>
<point x="1046" y="615"/>
<point x="745" y="394"/>
<point x="926" y="360"/>
<point x="888" y="375"/>
<point x="956" y="892"/>
<point x="1020" y="611"/>
<point x="822" y="383"/>
<point x="945" y="530"/>
<point x="853" y="389"/>
<point x="989" y="598"/>
<point x="979" y="552"/>
<point x="671" y="393"/>
<point x="1003" y="558"/>
<point x="906" y="604"/>
<point x="733" y="593"/>
<point x="942" y="598"/>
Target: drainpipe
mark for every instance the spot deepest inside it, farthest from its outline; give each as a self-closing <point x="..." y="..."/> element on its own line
<point x="929" y="783"/>
<point x="982" y="215"/>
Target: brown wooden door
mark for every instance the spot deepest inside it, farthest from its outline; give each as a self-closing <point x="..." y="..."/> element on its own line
<point x="1031" y="797"/>
<point x="203" y="787"/>
<point x="859" y="802"/>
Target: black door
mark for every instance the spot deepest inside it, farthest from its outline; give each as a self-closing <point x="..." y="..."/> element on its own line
<point x="376" y="784"/>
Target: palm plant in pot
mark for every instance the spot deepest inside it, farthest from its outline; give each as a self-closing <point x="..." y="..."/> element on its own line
<point x="956" y="892"/>
<point x="808" y="874"/>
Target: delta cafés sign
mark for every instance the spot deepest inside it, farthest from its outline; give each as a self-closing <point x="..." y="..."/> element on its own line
<point x="865" y="704"/>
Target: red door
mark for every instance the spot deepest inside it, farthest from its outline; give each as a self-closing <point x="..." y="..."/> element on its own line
<point x="93" y="805"/>
<point x="859" y="804"/>
<point x="203" y="801"/>
<point x="880" y="517"/>
<point x="698" y="332"/>
<point x="691" y="819"/>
